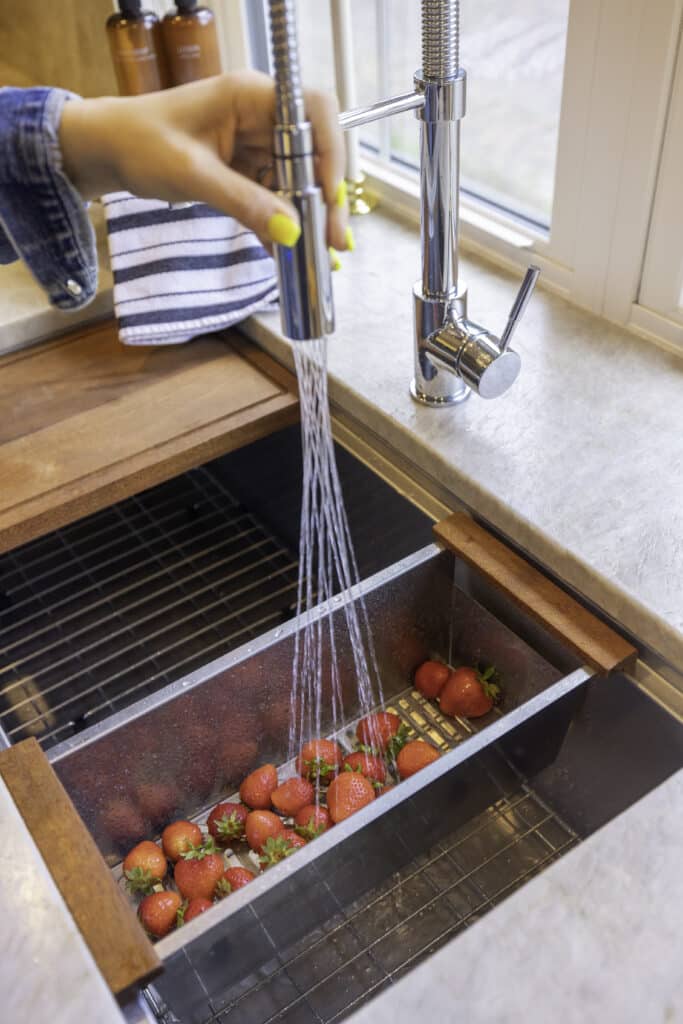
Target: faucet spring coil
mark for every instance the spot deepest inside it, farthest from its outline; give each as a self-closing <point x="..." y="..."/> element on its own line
<point x="285" y="51"/>
<point x="440" y="38"/>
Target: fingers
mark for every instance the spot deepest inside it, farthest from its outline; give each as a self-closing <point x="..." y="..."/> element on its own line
<point x="205" y="178"/>
<point x="323" y="112"/>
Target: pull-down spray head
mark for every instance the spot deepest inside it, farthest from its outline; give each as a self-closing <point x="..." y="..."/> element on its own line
<point x="306" y="304"/>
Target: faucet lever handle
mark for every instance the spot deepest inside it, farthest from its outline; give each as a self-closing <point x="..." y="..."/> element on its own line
<point x="521" y="302"/>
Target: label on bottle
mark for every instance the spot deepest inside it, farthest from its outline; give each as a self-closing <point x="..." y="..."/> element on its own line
<point x="189" y="51"/>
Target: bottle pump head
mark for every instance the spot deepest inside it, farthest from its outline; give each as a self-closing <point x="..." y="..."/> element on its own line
<point x="130" y="8"/>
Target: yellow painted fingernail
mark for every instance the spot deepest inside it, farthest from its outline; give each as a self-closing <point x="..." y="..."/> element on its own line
<point x="341" y="193"/>
<point x="350" y="240"/>
<point x="283" y="230"/>
<point x="335" y="262"/>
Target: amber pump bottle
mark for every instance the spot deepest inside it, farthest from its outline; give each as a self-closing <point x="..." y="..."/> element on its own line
<point x="137" y="49"/>
<point x="190" y="42"/>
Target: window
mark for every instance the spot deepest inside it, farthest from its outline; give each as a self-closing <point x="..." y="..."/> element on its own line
<point x="572" y="143"/>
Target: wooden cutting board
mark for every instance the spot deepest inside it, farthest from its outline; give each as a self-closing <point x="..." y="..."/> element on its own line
<point x="85" y="421"/>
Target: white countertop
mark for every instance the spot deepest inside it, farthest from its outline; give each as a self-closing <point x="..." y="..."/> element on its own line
<point x="47" y="972"/>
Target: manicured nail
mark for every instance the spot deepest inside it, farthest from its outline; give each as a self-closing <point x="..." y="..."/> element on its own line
<point x="283" y="230"/>
<point x="335" y="262"/>
<point x="341" y="193"/>
<point x="350" y="240"/>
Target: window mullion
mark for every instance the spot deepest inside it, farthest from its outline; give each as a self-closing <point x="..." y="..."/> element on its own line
<point x="382" y="16"/>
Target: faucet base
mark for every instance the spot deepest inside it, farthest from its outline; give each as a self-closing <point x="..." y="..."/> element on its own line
<point x="438" y="401"/>
<point x="435" y="384"/>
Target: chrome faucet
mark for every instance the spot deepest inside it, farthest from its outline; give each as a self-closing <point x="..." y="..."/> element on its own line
<point x="453" y="354"/>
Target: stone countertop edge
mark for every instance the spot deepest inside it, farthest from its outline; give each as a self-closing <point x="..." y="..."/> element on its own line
<point x="594" y="939"/>
<point x="47" y="972"/>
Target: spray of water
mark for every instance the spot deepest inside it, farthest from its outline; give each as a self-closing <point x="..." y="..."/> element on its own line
<point x="327" y="565"/>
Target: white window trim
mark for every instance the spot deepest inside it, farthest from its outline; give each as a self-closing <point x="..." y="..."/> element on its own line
<point x="663" y="265"/>
<point x="617" y="95"/>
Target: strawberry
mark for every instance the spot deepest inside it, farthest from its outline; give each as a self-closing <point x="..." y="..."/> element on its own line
<point x="381" y="790"/>
<point x="431" y="677"/>
<point x="193" y="909"/>
<point x="376" y="731"/>
<point x="292" y="795"/>
<point x="469" y="693"/>
<point x="144" y="867"/>
<point x="179" y="837"/>
<point x="198" y="870"/>
<point x="226" y="822"/>
<point x="312" y="821"/>
<point x="414" y="756"/>
<point x="158" y="912"/>
<point x="256" y="789"/>
<point x="233" y="878"/>
<point x="278" y="847"/>
<point x="319" y="760"/>
<point x="294" y="839"/>
<point x="260" y="826"/>
<point x="347" y="794"/>
<point x="369" y="765"/>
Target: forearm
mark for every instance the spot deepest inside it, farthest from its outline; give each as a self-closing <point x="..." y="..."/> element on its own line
<point x="88" y="150"/>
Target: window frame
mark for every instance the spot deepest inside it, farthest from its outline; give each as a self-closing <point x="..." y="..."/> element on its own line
<point x="615" y="169"/>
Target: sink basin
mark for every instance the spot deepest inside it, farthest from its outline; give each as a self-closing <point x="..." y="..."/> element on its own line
<point x="314" y="936"/>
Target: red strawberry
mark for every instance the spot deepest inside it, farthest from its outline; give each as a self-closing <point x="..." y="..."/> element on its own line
<point x="469" y="693"/>
<point x="261" y="826"/>
<point x="157" y="912"/>
<point x="179" y="837"/>
<point x="431" y="677"/>
<point x="256" y="789"/>
<point x="198" y="871"/>
<point x="378" y="730"/>
<point x="319" y="759"/>
<point x="144" y="867"/>
<point x="278" y="847"/>
<point x="292" y="795"/>
<point x="415" y="755"/>
<point x="312" y="821"/>
<point x="226" y="822"/>
<point x="371" y="767"/>
<point x="233" y="878"/>
<point x="347" y="794"/>
<point x="193" y="909"/>
<point x="381" y="790"/>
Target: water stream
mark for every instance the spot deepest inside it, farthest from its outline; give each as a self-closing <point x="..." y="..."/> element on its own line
<point x="327" y="566"/>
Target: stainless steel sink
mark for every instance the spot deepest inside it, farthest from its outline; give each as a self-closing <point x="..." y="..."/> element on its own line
<point x="314" y="936"/>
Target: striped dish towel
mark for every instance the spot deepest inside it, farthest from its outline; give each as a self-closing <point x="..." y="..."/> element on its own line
<point x="182" y="271"/>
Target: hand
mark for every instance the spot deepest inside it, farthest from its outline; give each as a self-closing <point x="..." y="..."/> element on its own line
<point x="206" y="142"/>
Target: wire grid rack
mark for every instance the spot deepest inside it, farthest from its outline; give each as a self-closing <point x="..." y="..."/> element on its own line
<point x="370" y="944"/>
<point x="111" y="608"/>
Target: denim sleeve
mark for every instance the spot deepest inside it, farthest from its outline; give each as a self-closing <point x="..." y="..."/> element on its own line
<point x="43" y="219"/>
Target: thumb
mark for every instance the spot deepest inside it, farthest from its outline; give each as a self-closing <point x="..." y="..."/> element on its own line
<point x="207" y="179"/>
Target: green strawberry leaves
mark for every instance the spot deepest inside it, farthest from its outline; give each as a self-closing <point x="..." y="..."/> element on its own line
<point x="230" y="827"/>
<point x="200" y="851"/>
<point x="140" y="880"/>
<point x="275" y="849"/>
